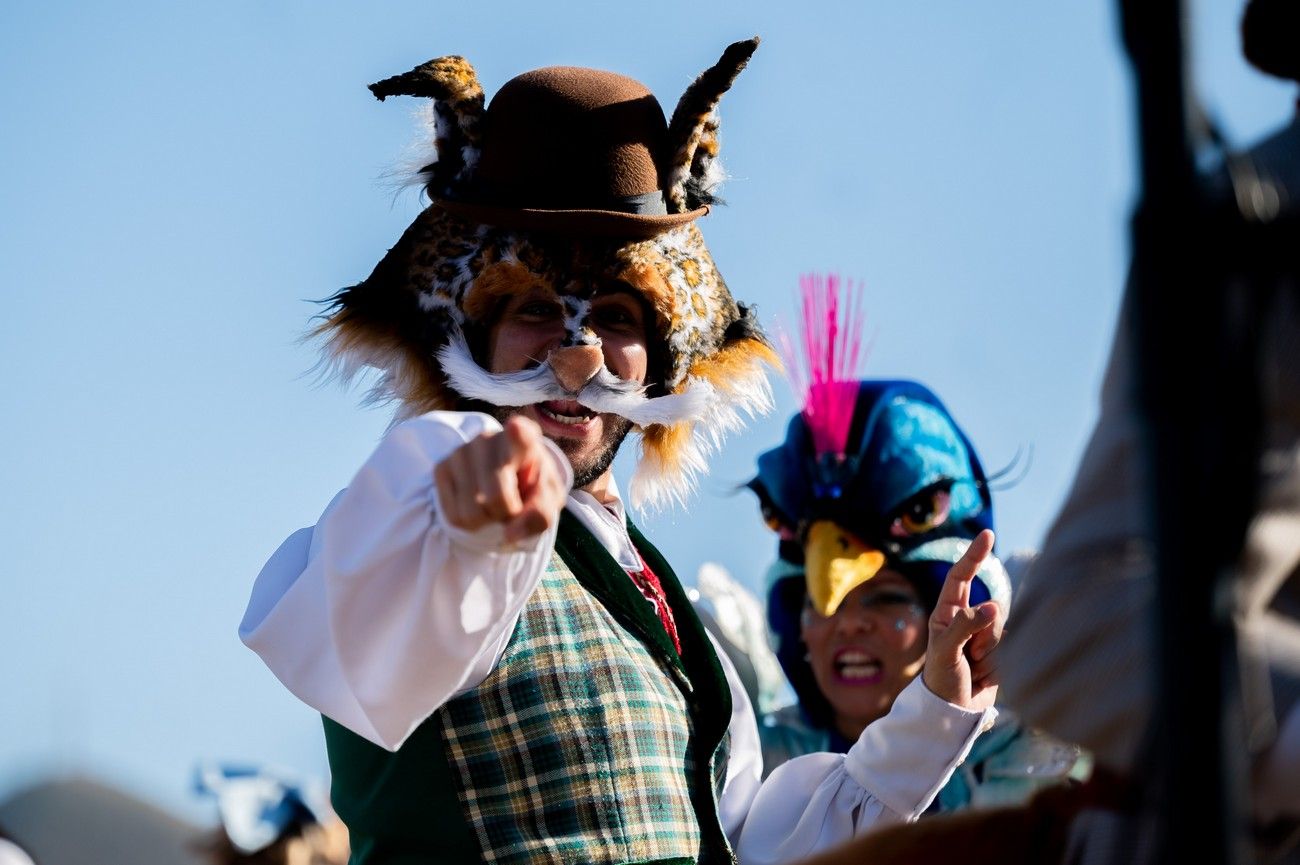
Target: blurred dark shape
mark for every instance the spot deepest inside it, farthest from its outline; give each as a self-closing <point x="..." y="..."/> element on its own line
<point x="1268" y="30"/>
<point x="79" y="821"/>
<point x="1153" y="627"/>
<point x="82" y="821"/>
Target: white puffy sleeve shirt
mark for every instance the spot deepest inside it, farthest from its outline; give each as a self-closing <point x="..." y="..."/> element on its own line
<point x="381" y="613"/>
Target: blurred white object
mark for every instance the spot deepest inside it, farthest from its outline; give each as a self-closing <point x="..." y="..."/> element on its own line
<point x="1017" y="565"/>
<point x="738" y="619"/>
<point x="259" y="805"/>
<point x="12" y="854"/>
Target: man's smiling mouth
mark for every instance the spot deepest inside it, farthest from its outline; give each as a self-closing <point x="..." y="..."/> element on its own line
<point x="566" y="412"/>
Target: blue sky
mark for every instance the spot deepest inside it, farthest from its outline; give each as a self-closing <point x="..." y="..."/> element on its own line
<point x="181" y="180"/>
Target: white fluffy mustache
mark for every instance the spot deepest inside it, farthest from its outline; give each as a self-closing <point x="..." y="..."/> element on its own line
<point x="606" y="393"/>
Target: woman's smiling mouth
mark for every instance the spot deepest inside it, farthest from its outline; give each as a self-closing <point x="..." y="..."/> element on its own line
<point x="856" y="667"/>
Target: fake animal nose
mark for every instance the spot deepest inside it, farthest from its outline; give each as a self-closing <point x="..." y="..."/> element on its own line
<point x="575" y="365"/>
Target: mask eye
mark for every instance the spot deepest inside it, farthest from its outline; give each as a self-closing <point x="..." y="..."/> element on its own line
<point x="777" y="522"/>
<point x="925" y="511"/>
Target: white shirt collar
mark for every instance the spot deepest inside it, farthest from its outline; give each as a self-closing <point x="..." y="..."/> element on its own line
<point x="608" y="522"/>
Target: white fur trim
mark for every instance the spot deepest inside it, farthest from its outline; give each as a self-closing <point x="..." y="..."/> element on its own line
<point x="605" y="393"/>
<point x="655" y="487"/>
<point x="470" y="380"/>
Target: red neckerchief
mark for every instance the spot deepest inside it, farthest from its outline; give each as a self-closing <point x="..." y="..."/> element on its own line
<point x="653" y="590"/>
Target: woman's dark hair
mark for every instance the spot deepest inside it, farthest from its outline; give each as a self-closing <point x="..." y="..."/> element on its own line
<point x="785" y="604"/>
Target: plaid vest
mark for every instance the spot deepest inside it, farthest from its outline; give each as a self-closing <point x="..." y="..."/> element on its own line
<point x="591" y="741"/>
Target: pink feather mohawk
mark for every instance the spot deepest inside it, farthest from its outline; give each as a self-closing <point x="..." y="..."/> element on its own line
<point x="825" y="371"/>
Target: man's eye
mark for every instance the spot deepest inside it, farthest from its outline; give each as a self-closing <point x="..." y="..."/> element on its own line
<point x="616" y="316"/>
<point x="537" y="309"/>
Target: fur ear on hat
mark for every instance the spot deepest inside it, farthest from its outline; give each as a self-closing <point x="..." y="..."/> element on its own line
<point x="693" y="131"/>
<point x="458" y="114"/>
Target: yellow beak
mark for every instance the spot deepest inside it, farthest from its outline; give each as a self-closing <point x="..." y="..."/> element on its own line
<point x="836" y="563"/>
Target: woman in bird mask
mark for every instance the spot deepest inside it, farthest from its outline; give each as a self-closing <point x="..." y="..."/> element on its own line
<point x="874" y="493"/>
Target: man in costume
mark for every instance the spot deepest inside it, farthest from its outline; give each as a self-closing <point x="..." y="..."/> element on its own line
<point x="508" y="669"/>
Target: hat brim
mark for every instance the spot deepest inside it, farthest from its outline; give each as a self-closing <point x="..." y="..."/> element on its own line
<point x="603" y="223"/>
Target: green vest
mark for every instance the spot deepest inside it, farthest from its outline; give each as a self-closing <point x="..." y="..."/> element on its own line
<point x="591" y="741"/>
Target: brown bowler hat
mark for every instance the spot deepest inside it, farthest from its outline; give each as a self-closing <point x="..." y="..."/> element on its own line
<point x="571" y="150"/>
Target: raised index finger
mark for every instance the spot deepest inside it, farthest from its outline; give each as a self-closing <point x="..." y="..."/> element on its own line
<point x="956" y="587"/>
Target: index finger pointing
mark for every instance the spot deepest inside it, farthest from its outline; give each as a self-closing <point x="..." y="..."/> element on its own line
<point x="521" y="435"/>
<point x="956" y="587"/>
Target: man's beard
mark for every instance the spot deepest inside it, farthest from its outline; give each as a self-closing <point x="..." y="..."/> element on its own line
<point x="594" y="465"/>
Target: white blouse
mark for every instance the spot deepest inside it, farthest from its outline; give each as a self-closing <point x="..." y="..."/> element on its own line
<point x="381" y="613"/>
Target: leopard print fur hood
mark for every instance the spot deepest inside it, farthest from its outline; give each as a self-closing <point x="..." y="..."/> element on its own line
<point x="447" y="277"/>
